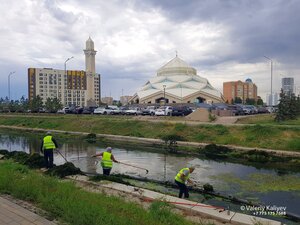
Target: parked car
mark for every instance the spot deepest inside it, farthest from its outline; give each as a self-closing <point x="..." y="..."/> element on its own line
<point x="78" y="110"/>
<point x="64" y="110"/>
<point x="115" y="110"/>
<point x="134" y="111"/>
<point x="181" y="111"/>
<point x="150" y="110"/>
<point x="88" y="110"/>
<point x="249" y="109"/>
<point x="262" y="110"/>
<point x="123" y="110"/>
<point x="270" y="109"/>
<point x="164" y="111"/>
<point x="246" y="110"/>
<point x="237" y="110"/>
<point x="99" y="110"/>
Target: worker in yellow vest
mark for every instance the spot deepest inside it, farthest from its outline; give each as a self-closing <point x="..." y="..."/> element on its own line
<point x="47" y="147"/>
<point x="107" y="160"/>
<point x="183" y="177"/>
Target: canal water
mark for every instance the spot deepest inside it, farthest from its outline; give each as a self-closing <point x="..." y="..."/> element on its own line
<point x="264" y="186"/>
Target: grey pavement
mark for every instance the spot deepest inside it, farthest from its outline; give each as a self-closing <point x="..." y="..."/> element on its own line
<point x="13" y="214"/>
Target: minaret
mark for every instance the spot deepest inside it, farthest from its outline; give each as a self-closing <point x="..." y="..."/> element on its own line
<point x="89" y="56"/>
<point x="90" y="71"/>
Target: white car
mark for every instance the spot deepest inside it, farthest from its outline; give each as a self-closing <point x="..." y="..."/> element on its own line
<point x="164" y="111"/>
<point x="99" y="110"/>
<point x="133" y="111"/>
<point x="63" y="110"/>
<point x="115" y="109"/>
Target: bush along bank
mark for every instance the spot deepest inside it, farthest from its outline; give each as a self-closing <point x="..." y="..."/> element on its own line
<point x="256" y="158"/>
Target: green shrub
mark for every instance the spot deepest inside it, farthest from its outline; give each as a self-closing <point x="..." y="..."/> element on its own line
<point x="214" y="151"/>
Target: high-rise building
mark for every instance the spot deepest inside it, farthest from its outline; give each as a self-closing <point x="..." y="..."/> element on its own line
<point x="288" y="85"/>
<point x="272" y="100"/>
<point x="239" y="89"/>
<point x="71" y="87"/>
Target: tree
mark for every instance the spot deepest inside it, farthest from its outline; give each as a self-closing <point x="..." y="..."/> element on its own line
<point x="56" y="104"/>
<point x="260" y="101"/>
<point x="250" y="101"/>
<point x="288" y="107"/>
<point x="238" y="100"/>
<point x="36" y="104"/>
<point x="24" y="104"/>
<point x="52" y="105"/>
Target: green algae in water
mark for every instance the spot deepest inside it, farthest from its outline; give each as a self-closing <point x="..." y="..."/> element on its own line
<point x="261" y="182"/>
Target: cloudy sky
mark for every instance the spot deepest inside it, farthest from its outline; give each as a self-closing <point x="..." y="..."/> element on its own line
<point x="223" y="39"/>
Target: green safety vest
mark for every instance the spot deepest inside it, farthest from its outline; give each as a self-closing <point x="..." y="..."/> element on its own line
<point x="178" y="176"/>
<point x="48" y="143"/>
<point x="106" y="161"/>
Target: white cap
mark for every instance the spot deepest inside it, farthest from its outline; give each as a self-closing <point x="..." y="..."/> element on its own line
<point x="108" y="149"/>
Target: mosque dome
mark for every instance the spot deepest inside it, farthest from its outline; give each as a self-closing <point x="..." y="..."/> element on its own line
<point x="176" y="67"/>
<point x="177" y="82"/>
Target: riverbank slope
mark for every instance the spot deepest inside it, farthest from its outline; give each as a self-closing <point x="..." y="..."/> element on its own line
<point x="252" y="136"/>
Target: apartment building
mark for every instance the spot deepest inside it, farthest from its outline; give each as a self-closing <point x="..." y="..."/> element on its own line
<point x="71" y="87"/>
<point x="240" y="89"/>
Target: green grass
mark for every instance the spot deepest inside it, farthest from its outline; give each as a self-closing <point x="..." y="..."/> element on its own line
<point x="262" y="182"/>
<point x="266" y="119"/>
<point x="77" y="207"/>
<point x="257" y="136"/>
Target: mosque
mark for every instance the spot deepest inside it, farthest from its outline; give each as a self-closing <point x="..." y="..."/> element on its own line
<point x="177" y="82"/>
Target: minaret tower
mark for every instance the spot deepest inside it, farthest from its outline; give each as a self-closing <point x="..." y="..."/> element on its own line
<point x="90" y="71"/>
<point x="89" y="56"/>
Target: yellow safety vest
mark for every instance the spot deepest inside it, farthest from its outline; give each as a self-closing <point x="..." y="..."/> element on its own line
<point x="48" y="143"/>
<point x="106" y="161"/>
<point x="185" y="178"/>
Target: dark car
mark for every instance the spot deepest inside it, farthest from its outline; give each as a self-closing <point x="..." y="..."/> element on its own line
<point x="262" y="110"/>
<point x="181" y="111"/>
<point x="78" y="110"/>
<point x="88" y="110"/>
<point x="236" y="110"/>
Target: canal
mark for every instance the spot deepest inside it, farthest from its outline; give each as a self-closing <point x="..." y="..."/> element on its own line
<point x="263" y="186"/>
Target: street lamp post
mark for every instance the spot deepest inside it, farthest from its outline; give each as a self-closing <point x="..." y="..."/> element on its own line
<point x="9" y="84"/>
<point x="66" y="69"/>
<point x="164" y="86"/>
<point x="271" y="78"/>
<point x="66" y="64"/>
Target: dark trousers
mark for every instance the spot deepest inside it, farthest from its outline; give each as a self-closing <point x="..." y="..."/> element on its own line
<point x="106" y="171"/>
<point x="48" y="156"/>
<point x="182" y="189"/>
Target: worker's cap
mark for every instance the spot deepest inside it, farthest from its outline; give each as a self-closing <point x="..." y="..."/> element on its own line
<point x="48" y="132"/>
<point x="108" y="149"/>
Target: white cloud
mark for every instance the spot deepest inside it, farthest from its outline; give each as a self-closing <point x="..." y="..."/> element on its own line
<point x="133" y="40"/>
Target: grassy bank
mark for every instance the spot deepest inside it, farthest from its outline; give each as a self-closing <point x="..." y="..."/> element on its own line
<point x="257" y="136"/>
<point x="268" y="119"/>
<point x="72" y="205"/>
